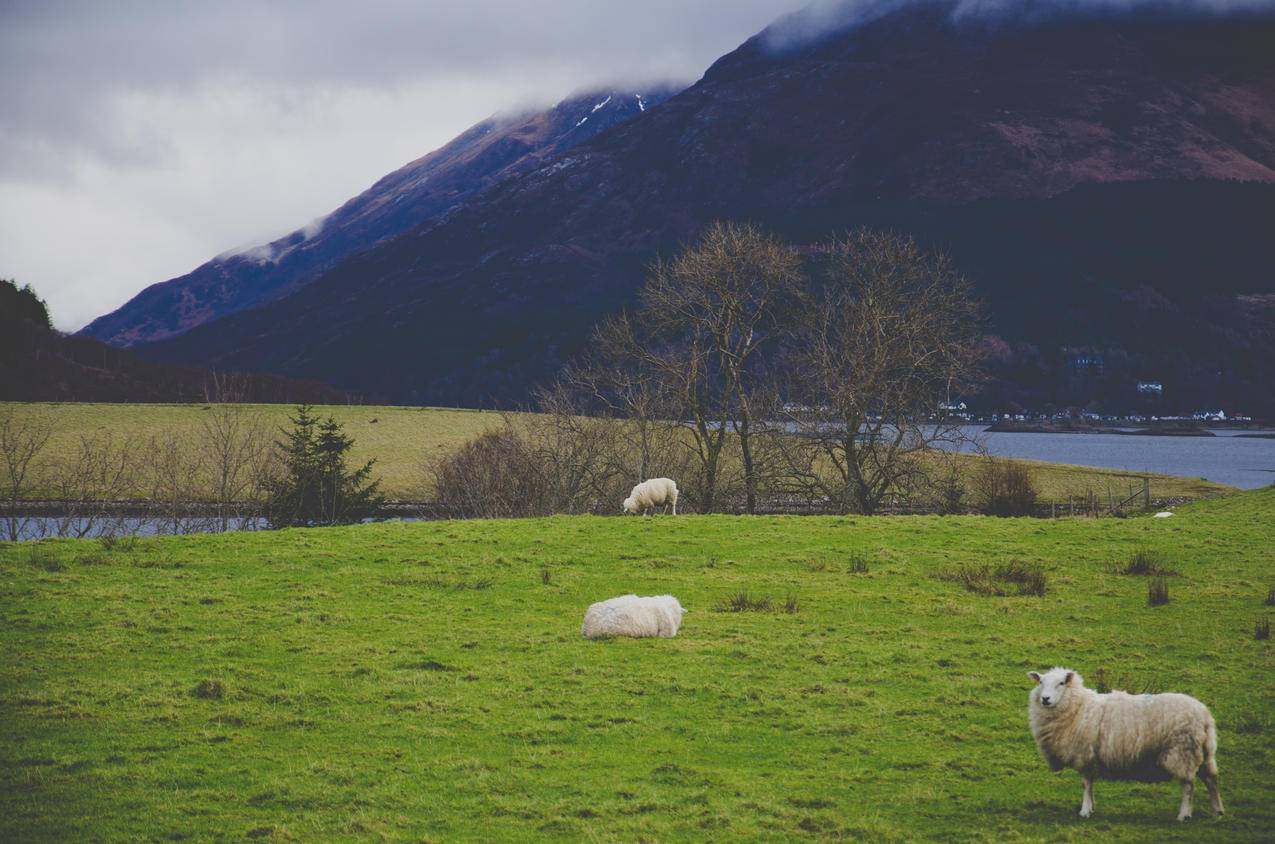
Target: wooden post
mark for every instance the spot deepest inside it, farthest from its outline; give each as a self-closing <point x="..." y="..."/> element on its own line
<point x="1146" y="493"/>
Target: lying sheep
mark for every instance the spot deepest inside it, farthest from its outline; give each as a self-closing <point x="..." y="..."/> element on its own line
<point x="646" y="496"/>
<point x="1163" y="514"/>
<point x="1119" y="736"/>
<point x="637" y="617"/>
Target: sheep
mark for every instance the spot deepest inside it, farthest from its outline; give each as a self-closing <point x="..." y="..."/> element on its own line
<point x="633" y="616"/>
<point x="1163" y="514"/>
<point x="1119" y="736"/>
<point x="646" y="496"/>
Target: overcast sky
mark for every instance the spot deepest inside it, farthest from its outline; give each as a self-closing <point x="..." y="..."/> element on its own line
<point x="139" y="139"/>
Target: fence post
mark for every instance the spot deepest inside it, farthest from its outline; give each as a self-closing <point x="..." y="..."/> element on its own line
<point x="1146" y="493"/>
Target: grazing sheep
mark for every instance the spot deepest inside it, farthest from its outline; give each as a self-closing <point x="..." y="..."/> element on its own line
<point x="637" y="617"/>
<point x="1119" y="736"/>
<point x="646" y="496"/>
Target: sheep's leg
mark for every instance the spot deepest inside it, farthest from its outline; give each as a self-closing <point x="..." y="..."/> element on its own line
<point x="1215" y="796"/>
<point x="674" y="504"/>
<point x="1188" y="789"/>
<point x="1086" y="802"/>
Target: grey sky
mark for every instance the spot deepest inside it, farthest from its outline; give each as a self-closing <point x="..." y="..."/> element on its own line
<point x="139" y="139"/>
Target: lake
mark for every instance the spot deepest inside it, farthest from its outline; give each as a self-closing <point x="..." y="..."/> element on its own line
<point x="1242" y="462"/>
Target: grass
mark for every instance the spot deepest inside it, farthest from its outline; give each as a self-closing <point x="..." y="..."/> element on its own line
<point x="403" y="439"/>
<point x="1147" y="563"/>
<point x="999" y="580"/>
<point x="369" y="690"/>
<point x="1157" y="593"/>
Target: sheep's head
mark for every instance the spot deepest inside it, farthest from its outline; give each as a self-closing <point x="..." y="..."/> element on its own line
<point x="1054" y="685"/>
<point x="630" y="506"/>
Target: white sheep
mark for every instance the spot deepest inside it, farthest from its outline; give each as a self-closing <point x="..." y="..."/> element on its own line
<point x="634" y="616"/>
<point x="646" y="496"/>
<point x="1119" y="736"/>
<point x="1163" y="514"/>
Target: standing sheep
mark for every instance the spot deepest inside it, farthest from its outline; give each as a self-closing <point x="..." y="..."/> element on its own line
<point x="1119" y="736"/>
<point x="646" y="496"/>
<point x="637" y="617"/>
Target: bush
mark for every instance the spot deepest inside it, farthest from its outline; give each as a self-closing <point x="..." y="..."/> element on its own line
<point x="1157" y="593"/>
<point x="495" y="475"/>
<point x="1004" y="488"/>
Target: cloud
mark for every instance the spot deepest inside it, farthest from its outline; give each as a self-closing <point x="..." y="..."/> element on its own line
<point x="139" y="139"/>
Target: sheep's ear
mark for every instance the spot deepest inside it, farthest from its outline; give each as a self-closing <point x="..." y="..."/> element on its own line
<point x="1034" y="676"/>
<point x="1070" y="675"/>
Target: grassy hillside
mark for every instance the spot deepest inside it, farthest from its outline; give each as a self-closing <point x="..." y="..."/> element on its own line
<point x="428" y="680"/>
<point x="403" y="439"/>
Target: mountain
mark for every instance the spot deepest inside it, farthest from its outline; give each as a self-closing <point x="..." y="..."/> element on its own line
<point x="38" y="363"/>
<point x="1106" y="180"/>
<point x="498" y="148"/>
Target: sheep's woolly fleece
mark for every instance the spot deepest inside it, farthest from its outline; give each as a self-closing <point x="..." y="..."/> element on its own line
<point x="1119" y="736"/>
<point x="634" y="616"/>
<point x="650" y="494"/>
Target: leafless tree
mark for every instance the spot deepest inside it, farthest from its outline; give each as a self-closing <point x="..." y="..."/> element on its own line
<point x="90" y="480"/>
<point x="701" y="321"/>
<point x="22" y="438"/>
<point x="237" y="458"/>
<point x="887" y="333"/>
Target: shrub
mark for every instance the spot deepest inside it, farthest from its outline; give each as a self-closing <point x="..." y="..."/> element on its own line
<point x="495" y="475"/>
<point x="1004" y="488"/>
<point x="1262" y="630"/>
<point x="1157" y="593"/>
<point x="1000" y="581"/>
<point x="1146" y="563"/>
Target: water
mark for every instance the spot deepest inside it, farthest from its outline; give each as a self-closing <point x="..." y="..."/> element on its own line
<point x="1242" y="462"/>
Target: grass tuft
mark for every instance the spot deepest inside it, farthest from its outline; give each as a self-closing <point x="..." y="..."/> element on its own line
<point x="209" y="690"/>
<point x="545" y="577"/>
<point x="1262" y="630"/>
<point x="1270" y="598"/>
<point x="742" y="602"/>
<point x="858" y="564"/>
<point x="791" y="605"/>
<point x="1005" y="580"/>
<point x="42" y="558"/>
<point x="1157" y="593"/>
<point x="1146" y="563"/>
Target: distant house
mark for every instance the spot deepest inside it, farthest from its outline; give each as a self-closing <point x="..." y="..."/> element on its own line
<point x="1209" y="416"/>
<point x="1153" y="388"/>
<point x="953" y="407"/>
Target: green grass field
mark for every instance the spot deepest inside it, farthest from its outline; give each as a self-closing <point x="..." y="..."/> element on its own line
<point x="428" y="681"/>
<point x="403" y="440"/>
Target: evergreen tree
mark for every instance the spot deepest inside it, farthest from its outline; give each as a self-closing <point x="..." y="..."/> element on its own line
<point x="314" y="487"/>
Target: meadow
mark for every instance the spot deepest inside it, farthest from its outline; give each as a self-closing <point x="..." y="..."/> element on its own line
<point x="403" y="440"/>
<point x="427" y="681"/>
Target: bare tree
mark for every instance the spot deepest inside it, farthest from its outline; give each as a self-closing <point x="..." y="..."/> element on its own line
<point x="701" y="321"/>
<point x="90" y="481"/>
<point x="237" y="459"/>
<point x="21" y="440"/>
<point x="888" y="332"/>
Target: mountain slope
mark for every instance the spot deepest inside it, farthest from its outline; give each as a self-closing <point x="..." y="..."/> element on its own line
<point x="955" y="129"/>
<point x="498" y="148"/>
